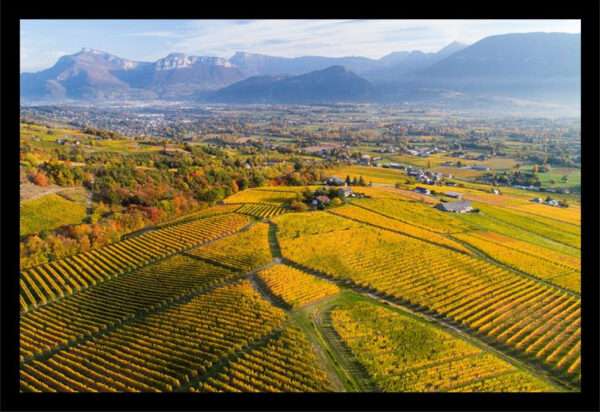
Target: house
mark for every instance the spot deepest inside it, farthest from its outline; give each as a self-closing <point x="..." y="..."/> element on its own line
<point x="324" y="200"/>
<point x="422" y="190"/>
<point x="346" y="191"/>
<point x="447" y="164"/>
<point x="552" y="202"/>
<point x="537" y="200"/>
<point x="61" y="141"/>
<point x="459" y="206"/>
<point x="496" y="191"/>
<point x="455" y="195"/>
<point x="336" y="181"/>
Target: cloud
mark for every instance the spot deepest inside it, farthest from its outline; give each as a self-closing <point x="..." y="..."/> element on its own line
<point x="148" y="40"/>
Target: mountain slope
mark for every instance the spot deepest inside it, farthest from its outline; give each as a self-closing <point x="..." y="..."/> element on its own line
<point x="530" y="65"/>
<point x="92" y="74"/>
<point x="335" y="83"/>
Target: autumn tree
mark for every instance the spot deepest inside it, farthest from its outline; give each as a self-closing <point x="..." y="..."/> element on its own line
<point x="40" y="179"/>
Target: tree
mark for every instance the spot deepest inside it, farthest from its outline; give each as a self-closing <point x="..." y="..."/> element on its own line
<point x="536" y="168"/>
<point x="564" y="179"/>
<point x="429" y="163"/>
<point x="354" y="181"/>
<point x="40" y="179"/>
<point x="552" y="182"/>
<point x="307" y="194"/>
<point x="336" y="201"/>
<point x="298" y="206"/>
<point x="347" y="180"/>
<point x="242" y="184"/>
<point x="361" y="181"/>
<point x="459" y="164"/>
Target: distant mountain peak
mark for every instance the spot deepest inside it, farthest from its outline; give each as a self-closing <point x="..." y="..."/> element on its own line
<point x="334" y="83"/>
<point x="337" y="68"/>
<point x="93" y="51"/>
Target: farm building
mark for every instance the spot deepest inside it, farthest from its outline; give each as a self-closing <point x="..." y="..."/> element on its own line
<point x="346" y="191"/>
<point x="537" y="200"/>
<point x="323" y="200"/>
<point x="455" y="195"/>
<point x="460" y="206"/>
<point x="422" y="190"/>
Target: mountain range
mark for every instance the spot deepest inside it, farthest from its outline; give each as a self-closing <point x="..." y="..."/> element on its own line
<point x="535" y="66"/>
<point x="314" y="87"/>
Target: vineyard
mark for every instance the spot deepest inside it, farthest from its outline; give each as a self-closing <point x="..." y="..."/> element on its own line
<point x="271" y="197"/>
<point x="284" y="364"/>
<point x="413" y="213"/>
<point x="45" y="283"/>
<point x="249" y="296"/>
<point x="423" y="357"/>
<point x="242" y="252"/>
<point x="510" y="309"/>
<point x="162" y="352"/>
<point x="115" y="301"/>
<point x="558" y="269"/>
<point x="564" y="233"/>
<point x="393" y="193"/>
<point x="294" y="287"/>
<point x="260" y="211"/>
<point x="211" y="211"/>
<point x="381" y="221"/>
<point x="49" y="212"/>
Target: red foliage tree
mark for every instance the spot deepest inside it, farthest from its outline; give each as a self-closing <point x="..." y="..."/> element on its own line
<point x="40" y="179"/>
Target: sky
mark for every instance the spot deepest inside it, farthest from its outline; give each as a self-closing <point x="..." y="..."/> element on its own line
<point x="44" y="41"/>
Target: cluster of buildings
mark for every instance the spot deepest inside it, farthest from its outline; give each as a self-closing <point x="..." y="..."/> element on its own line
<point x="424" y="153"/>
<point x="427" y="178"/>
<point x="549" y="202"/>
<point x="461" y="155"/>
<point x="457" y="206"/>
<point x="538" y="189"/>
<point x="68" y="142"/>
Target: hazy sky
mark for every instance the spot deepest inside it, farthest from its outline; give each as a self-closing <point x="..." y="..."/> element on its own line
<point x="44" y="41"/>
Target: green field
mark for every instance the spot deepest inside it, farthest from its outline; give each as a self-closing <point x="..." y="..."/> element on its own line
<point x="49" y="212"/>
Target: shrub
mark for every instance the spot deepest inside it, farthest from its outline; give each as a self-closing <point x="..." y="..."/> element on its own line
<point x="40" y="179"/>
